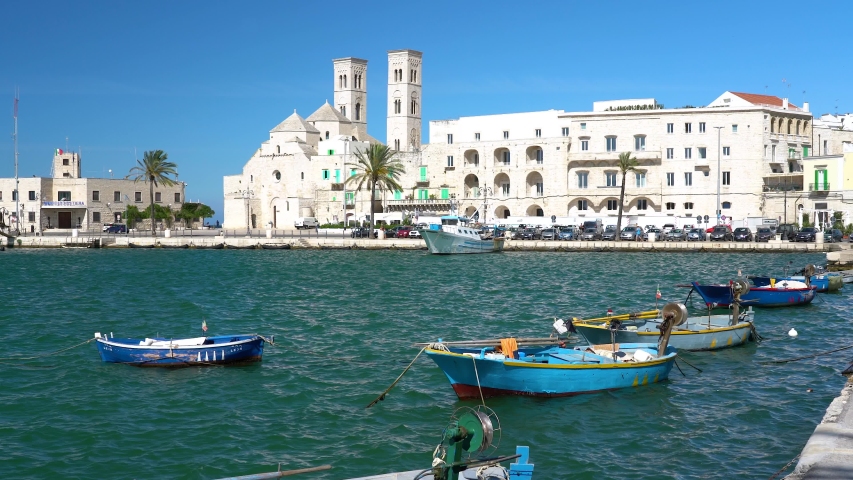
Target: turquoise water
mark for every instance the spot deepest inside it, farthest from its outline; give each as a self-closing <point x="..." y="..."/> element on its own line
<point x="344" y="322"/>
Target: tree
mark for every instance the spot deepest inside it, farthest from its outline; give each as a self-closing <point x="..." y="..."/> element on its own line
<point x="626" y="164"/>
<point x="132" y="215"/>
<point x="376" y="167"/>
<point x="191" y="211"/>
<point x="155" y="169"/>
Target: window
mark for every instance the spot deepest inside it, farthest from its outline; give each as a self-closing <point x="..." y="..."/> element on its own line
<point x="505" y="189"/>
<point x="350" y="198"/>
<point x="476" y="136"/>
<point x="612" y="205"/>
<point x="640" y="143"/>
<point x="641" y="179"/>
<point x="583" y="205"/>
<point x="352" y="172"/>
<point x="1" y="195"/>
<point x="540" y="189"/>
<point x="450" y="139"/>
<point x="177" y="197"/>
<point x="670" y="205"/>
<point x="728" y="151"/>
<point x="583" y="179"/>
<point x="326" y="174"/>
<point x="670" y="179"/>
<point x="14" y="195"/>
<point x="64" y="196"/>
<point x="445" y="193"/>
<point x="688" y="153"/>
<point x="670" y="153"/>
<point x="506" y="157"/>
<point x="540" y="156"/>
<point x="610" y="179"/>
<point x="96" y="217"/>
<point x="31" y="216"/>
<point x="506" y="134"/>
<point x="538" y="132"/>
<point x="157" y="197"/>
<point x="32" y="195"/>
<point x="734" y="128"/>
<point x="116" y="196"/>
<point x="773" y="151"/>
<point x="584" y="145"/>
<point x="688" y="205"/>
<point x="703" y="152"/>
<point x="670" y="128"/>
<point x="727" y="178"/>
<point x="688" y="128"/>
<point x="701" y="127"/>
<point x="423" y="173"/>
<point x="642" y="204"/>
<point x="611" y="144"/>
<point x="583" y="126"/>
<point x="727" y="205"/>
<point x="137" y="196"/>
<point x="96" y="196"/>
<point x="450" y="160"/>
<point x="65" y="162"/>
<point x="688" y="179"/>
<point x="565" y="131"/>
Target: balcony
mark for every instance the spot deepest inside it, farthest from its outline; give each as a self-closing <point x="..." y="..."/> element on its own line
<point x="438" y="205"/>
<point x="644" y="157"/>
<point x="784" y="137"/>
<point x="423" y="182"/>
<point x="337" y="187"/>
<point x="819" y="187"/>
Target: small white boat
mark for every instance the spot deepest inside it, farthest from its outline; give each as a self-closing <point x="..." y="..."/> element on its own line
<point x="454" y="235"/>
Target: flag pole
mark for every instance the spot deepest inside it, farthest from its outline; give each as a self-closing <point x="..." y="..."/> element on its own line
<point x="17" y="192"/>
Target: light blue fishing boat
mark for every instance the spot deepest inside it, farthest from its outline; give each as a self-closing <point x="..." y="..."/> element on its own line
<point x="454" y="236"/>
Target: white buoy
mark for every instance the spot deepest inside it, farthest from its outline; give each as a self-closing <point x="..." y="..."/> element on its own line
<point x="792" y="333"/>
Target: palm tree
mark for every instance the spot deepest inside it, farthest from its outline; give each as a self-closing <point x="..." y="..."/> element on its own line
<point x="155" y="170"/>
<point x="626" y="164"/>
<point x="376" y="167"/>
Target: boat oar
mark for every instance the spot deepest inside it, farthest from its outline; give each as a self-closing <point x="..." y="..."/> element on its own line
<point x="625" y="316"/>
<point x="497" y="341"/>
<point x="382" y="395"/>
<point x="279" y="473"/>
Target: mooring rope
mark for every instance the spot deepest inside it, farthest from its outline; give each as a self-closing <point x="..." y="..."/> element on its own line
<point x="806" y="356"/>
<point x="10" y="359"/>
<point x="382" y="395"/>
<point x="785" y="467"/>
<point x="694" y="366"/>
<point x="478" y="381"/>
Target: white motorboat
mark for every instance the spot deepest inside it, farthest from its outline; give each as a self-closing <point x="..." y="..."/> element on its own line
<point x="454" y="235"/>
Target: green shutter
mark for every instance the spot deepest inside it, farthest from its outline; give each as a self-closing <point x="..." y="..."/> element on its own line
<point x="337" y="176"/>
<point x="423" y="174"/>
<point x="398" y="195"/>
<point x="805" y="152"/>
<point x="445" y="194"/>
<point x="352" y="172"/>
<point x="423" y="194"/>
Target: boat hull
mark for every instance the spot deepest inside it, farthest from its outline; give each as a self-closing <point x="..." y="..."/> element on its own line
<point x="757" y="296"/>
<point x="519" y="377"/>
<point x="824" y="282"/>
<point x="444" y="243"/>
<point x="224" y="350"/>
<point x="694" y="335"/>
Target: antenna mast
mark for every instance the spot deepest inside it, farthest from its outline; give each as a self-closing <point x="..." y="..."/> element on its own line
<point x="17" y="192"/>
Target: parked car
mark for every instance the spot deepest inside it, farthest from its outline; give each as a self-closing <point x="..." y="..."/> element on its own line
<point x="548" y="234"/>
<point x="363" y="232"/>
<point x="116" y="228"/>
<point x="591" y="234"/>
<point x="415" y="233"/>
<point x="527" y="234"/>
<point x="630" y="233"/>
<point x="666" y="228"/>
<point x="807" y="234"/>
<point x="743" y="234"/>
<point x="697" y="235"/>
<point x="610" y="233"/>
<point x="400" y="231"/>
<point x="568" y="233"/>
<point x="721" y="233"/>
<point x="788" y="231"/>
<point x="832" y="236"/>
<point x="764" y="234"/>
<point x="676" y="235"/>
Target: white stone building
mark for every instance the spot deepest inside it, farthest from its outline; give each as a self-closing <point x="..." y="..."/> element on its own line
<point x="66" y="200"/>
<point x="535" y="166"/>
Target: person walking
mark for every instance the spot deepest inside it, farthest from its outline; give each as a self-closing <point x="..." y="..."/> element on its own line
<point x="639" y="233"/>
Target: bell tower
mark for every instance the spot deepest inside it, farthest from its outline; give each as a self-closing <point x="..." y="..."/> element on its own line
<point x="404" y="100"/>
<point x="351" y="90"/>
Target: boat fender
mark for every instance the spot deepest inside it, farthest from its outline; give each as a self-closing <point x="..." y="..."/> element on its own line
<point x="560" y="326"/>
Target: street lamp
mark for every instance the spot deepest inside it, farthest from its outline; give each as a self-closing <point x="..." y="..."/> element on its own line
<point x="247" y="194"/>
<point x="486" y="192"/>
<point x="719" y="173"/>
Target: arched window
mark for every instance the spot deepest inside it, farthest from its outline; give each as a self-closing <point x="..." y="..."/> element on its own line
<point x="344" y="110"/>
<point x="772" y="125"/>
<point x="340" y="81"/>
<point x="278" y="148"/>
<point x="357" y="111"/>
<point x="345" y="81"/>
<point x="327" y="135"/>
<point x="251" y="178"/>
<point x="415" y="75"/>
<point x="414" y="107"/>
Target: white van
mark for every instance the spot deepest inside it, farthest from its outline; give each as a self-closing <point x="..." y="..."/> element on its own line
<point x="306" y="222"/>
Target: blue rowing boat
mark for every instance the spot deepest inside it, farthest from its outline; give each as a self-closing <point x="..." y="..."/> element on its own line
<point x="550" y="371"/>
<point x="780" y="294"/>
<point x="185" y="352"/>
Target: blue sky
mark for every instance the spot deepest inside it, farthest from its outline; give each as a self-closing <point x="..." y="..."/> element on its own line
<point x="206" y="81"/>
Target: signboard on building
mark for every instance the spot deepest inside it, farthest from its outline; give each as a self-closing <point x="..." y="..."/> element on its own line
<point x="66" y="204"/>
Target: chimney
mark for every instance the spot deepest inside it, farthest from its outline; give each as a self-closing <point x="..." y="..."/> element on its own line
<point x="784" y="104"/>
<point x="805" y="106"/>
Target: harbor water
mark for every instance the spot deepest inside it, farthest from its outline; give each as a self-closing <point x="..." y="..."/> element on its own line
<point x="344" y="323"/>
